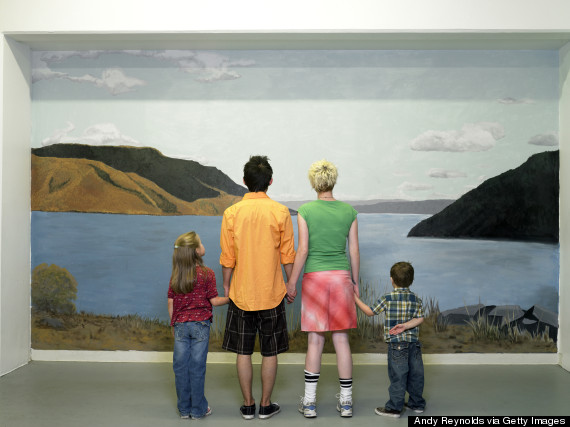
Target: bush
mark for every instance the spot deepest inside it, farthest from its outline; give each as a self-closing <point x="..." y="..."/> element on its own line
<point x="53" y="289"/>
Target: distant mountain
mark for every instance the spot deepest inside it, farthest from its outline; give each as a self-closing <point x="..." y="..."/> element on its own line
<point x="390" y="206"/>
<point x="185" y="179"/>
<point x="405" y="206"/>
<point x="79" y="178"/>
<point x="520" y="204"/>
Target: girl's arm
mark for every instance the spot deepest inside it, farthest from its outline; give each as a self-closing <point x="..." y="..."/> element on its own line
<point x="170" y="308"/>
<point x="365" y="309"/>
<point x="410" y="324"/>
<point x="300" y="256"/>
<point x="216" y="301"/>
<point x="354" y="252"/>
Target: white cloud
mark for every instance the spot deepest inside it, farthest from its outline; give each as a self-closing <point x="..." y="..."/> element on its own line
<point x="411" y="186"/>
<point x="113" y="80"/>
<point x="472" y="137"/>
<point x="549" y="139"/>
<point x="513" y="101"/>
<point x="99" y="134"/>
<point x="208" y="67"/>
<point x="443" y="173"/>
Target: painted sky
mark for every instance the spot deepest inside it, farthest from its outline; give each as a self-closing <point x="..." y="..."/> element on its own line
<point x="398" y="124"/>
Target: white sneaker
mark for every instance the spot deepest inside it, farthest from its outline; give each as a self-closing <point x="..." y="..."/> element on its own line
<point x="309" y="409"/>
<point x="344" y="406"/>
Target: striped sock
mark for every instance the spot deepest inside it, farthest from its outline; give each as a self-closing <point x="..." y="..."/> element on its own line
<point x="345" y="389"/>
<point x="311" y="380"/>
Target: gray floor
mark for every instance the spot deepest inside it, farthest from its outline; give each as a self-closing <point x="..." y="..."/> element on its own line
<point x="62" y="394"/>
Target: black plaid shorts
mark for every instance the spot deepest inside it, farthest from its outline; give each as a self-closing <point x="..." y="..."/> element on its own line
<point x="243" y="326"/>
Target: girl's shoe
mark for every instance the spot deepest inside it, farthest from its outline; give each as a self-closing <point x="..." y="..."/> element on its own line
<point x="208" y="412"/>
<point x="309" y="409"/>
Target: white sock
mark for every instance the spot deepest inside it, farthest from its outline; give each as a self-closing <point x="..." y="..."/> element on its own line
<point x="345" y="389"/>
<point x="311" y="380"/>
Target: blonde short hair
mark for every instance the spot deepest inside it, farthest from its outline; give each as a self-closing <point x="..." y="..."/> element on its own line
<point x="322" y="176"/>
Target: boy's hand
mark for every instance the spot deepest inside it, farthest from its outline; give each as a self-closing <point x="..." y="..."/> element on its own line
<point x="398" y="329"/>
<point x="291" y="293"/>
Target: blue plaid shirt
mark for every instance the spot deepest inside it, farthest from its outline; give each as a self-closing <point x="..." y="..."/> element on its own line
<point x="399" y="306"/>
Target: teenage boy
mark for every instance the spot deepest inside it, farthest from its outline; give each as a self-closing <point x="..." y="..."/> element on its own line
<point x="403" y="315"/>
<point x="256" y="239"/>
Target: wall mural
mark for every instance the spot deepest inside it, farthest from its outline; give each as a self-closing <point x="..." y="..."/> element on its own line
<point x="450" y="157"/>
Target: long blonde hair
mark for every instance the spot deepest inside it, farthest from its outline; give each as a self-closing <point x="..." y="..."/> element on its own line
<point x="185" y="259"/>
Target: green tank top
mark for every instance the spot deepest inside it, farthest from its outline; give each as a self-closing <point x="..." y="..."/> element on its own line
<point x="328" y="224"/>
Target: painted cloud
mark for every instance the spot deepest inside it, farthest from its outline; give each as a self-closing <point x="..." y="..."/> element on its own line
<point x="546" y="139"/>
<point x="480" y="136"/>
<point x="442" y="173"/>
<point x="207" y="67"/>
<point x="99" y="134"/>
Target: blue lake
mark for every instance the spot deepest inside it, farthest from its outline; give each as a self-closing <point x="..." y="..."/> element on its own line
<point x="122" y="263"/>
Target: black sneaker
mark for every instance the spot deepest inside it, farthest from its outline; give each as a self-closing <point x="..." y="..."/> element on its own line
<point x="388" y="412"/>
<point x="248" y="412"/>
<point x="269" y="410"/>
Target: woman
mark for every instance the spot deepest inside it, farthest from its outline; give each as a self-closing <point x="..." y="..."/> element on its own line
<point x="329" y="283"/>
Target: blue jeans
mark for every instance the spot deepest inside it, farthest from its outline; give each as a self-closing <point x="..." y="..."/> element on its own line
<point x="189" y="362"/>
<point x="406" y="372"/>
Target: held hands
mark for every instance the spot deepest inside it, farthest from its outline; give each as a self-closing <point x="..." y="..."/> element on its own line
<point x="291" y="293"/>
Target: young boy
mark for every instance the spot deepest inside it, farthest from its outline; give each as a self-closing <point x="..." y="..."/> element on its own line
<point x="403" y="314"/>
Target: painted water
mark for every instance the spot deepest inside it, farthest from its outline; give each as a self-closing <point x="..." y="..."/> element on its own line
<point x="122" y="263"/>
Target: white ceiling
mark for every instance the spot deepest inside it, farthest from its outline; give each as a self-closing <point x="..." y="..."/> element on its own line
<point x="292" y="40"/>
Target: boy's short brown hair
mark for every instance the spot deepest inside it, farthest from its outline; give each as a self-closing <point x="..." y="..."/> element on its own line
<point x="402" y="273"/>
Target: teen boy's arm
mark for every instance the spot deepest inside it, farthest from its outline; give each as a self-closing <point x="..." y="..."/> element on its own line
<point x="227" y="257"/>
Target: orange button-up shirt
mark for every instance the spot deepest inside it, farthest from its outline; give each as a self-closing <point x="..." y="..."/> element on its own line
<point x="256" y="238"/>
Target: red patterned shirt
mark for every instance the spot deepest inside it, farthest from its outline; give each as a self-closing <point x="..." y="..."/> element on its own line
<point x="195" y="306"/>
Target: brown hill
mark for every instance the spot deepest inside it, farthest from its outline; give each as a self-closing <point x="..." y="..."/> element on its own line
<point x="81" y="185"/>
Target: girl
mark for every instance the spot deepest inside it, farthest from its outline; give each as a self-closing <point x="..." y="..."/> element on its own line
<point x="191" y="295"/>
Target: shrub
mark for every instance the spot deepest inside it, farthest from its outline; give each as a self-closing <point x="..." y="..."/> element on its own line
<point x="53" y="289"/>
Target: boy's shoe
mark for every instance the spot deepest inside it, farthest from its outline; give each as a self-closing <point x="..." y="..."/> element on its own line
<point x="309" y="410"/>
<point x="185" y="417"/>
<point x="388" y="412"/>
<point x="269" y="410"/>
<point x="247" y="412"/>
<point x="208" y="412"/>
<point x="344" y="406"/>
<point x="416" y="410"/>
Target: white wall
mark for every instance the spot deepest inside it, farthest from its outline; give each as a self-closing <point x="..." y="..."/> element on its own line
<point x="172" y="16"/>
<point x="564" y="327"/>
<point x="15" y="206"/>
<point x="57" y="23"/>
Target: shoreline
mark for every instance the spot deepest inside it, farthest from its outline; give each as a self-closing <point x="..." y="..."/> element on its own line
<point x="83" y="331"/>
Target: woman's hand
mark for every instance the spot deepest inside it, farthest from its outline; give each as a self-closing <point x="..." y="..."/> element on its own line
<point x="291" y="294"/>
<point x="356" y="289"/>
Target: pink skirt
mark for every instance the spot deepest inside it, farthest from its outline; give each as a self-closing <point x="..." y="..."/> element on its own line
<point x="327" y="302"/>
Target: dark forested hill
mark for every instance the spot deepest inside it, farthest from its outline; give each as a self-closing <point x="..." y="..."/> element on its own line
<point x="520" y="204"/>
